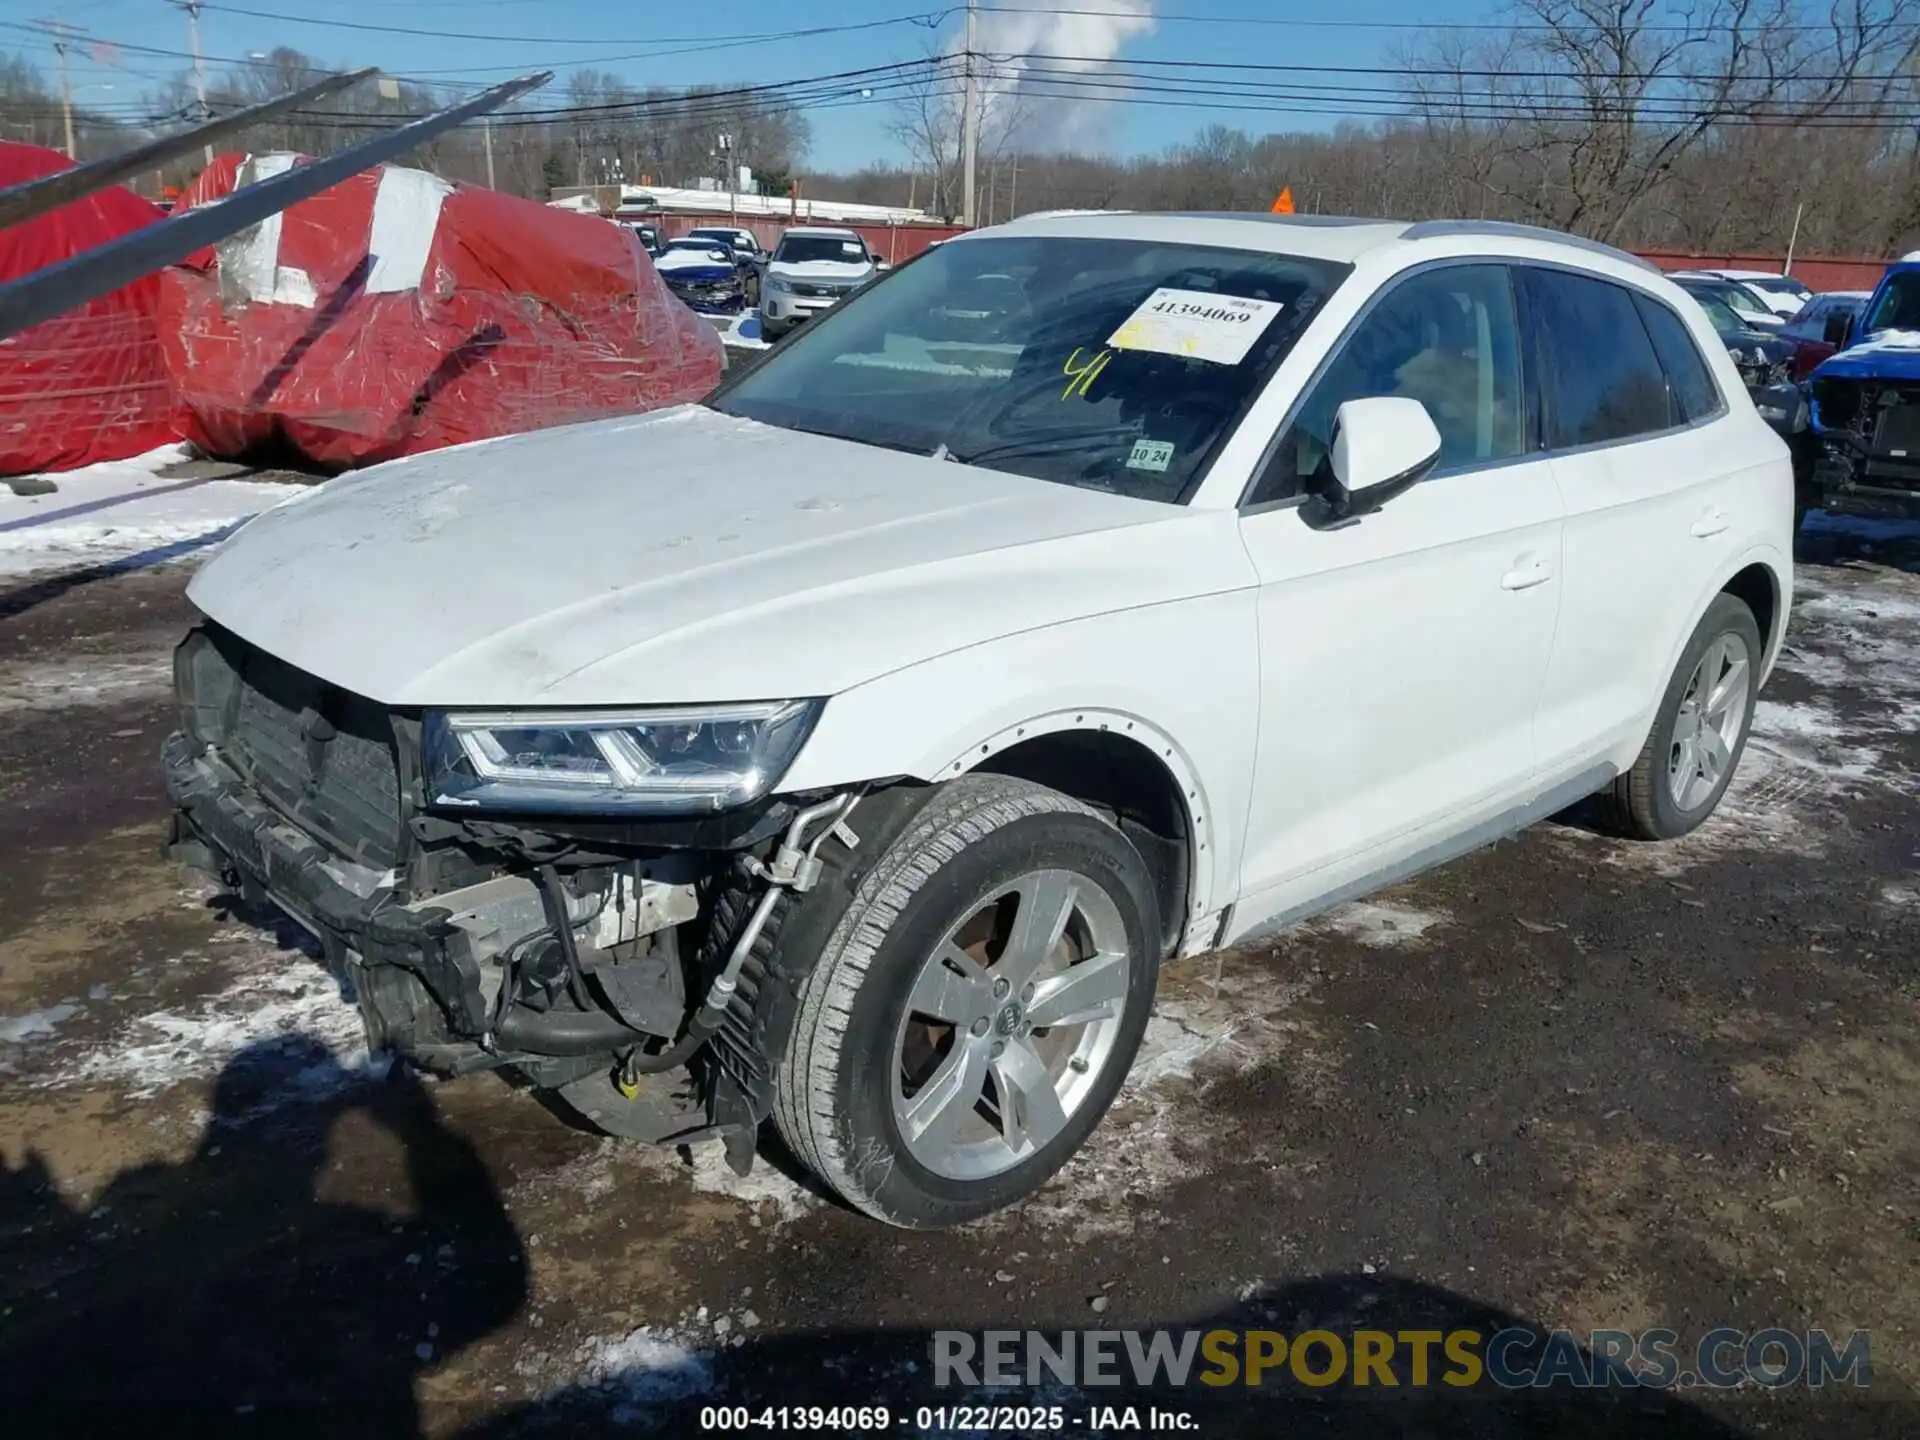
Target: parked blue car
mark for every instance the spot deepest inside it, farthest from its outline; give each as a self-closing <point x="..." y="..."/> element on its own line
<point x="1866" y="404"/>
<point x="704" y="274"/>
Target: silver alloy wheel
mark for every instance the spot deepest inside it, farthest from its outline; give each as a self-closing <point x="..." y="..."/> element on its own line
<point x="1712" y="712"/>
<point x="1010" y="1024"/>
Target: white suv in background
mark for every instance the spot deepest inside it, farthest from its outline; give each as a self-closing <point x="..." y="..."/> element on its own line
<point x="1784" y="295"/>
<point x="813" y="268"/>
<point x="852" y="749"/>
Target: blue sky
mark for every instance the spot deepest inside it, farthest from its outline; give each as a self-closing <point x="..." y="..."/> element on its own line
<point x="541" y="33"/>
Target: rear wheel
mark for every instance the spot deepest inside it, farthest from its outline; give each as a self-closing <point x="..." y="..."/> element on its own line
<point x="976" y="1007"/>
<point x="1700" y="731"/>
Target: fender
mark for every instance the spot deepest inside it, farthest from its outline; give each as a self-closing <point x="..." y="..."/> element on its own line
<point x="1178" y="677"/>
<point x="1758" y="553"/>
<point x="1781" y="569"/>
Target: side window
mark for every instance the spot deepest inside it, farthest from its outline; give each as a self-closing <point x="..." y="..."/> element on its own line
<point x="1446" y="338"/>
<point x="1690" y="388"/>
<point x="1601" y="378"/>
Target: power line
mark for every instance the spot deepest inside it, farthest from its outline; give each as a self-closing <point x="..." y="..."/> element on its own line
<point x="928" y="19"/>
<point x="1498" y="26"/>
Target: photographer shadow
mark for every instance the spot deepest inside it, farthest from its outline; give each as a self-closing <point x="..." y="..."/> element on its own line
<point x="223" y="1295"/>
<point x="896" y="1368"/>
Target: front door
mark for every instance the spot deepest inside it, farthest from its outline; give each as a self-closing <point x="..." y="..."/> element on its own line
<point x="1402" y="657"/>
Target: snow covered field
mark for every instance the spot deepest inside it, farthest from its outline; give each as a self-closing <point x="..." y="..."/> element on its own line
<point x="124" y="512"/>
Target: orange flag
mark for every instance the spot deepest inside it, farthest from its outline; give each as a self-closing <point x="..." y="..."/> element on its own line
<point x="1283" y="203"/>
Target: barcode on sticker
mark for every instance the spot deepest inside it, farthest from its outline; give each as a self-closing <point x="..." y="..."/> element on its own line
<point x="1196" y="325"/>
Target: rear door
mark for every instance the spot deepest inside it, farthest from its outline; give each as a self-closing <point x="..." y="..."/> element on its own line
<point x="1636" y="426"/>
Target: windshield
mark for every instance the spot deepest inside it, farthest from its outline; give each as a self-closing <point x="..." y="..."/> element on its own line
<point x="1108" y="364"/>
<point x="729" y="238"/>
<point x="1725" y="292"/>
<point x="1779" y="285"/>
<point x="1898" y="307"/>
<point x="800" y="249"/>
<point x="701" y="247"/>
<point x="1724" y="320"/>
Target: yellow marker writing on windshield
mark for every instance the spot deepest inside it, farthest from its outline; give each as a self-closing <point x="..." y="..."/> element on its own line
<point x="1079" y="379"/>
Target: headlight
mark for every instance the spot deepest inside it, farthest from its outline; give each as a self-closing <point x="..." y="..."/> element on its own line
<point x="692" y="760"/>
<point x="779" y="286"/>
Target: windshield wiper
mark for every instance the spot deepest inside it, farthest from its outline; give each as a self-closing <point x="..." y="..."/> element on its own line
<point x="852" y="439"/>
<point x="1039" y="445"/>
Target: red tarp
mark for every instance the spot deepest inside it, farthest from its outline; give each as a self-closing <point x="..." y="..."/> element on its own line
<point x="397" y="313"/>
<point x="88" y="385"/>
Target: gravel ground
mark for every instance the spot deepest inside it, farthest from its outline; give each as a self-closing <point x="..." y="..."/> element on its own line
<point x="1566" y="1081"/>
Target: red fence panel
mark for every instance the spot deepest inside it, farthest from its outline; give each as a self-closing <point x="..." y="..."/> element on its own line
<point x="1819" y="272"/>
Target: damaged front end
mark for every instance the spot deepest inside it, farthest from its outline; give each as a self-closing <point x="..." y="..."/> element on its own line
<point x="1869" y="429"/>
<point x="621" y="962"/>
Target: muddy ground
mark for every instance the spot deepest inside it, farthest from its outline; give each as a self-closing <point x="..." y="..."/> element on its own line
<point x="1567" y="1081"/>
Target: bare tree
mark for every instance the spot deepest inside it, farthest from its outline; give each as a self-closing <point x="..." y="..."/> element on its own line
<point x="1593" y="105"/>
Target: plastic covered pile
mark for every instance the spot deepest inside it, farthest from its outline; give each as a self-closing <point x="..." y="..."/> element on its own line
<point x="397" y="313"/>
<point x="88" y="385"/>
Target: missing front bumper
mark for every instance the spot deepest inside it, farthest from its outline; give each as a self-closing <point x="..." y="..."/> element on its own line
<point x="427" y="974"/>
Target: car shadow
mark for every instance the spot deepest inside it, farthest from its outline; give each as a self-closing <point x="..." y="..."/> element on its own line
<point x="19" y="599"/>
<point x="671" y="1386"/>
<point x="1848" y="541"/>
<point x="228" y="1294"/>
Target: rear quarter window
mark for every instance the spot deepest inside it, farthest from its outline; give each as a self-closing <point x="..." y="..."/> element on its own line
<point x="1691" y="393"/>
<point x="1602" y="380"/>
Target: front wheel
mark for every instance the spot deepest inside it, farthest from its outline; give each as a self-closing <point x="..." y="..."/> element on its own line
<point x="976" y="1007"/>
<point x="1699" y="732"/>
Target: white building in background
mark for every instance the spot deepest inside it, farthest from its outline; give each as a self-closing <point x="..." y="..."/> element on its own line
<point x="638" y="200"/>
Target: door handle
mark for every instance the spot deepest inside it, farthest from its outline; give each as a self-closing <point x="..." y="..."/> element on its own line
<point x="1527" y="574"/>
<point x="1709" y="524"/>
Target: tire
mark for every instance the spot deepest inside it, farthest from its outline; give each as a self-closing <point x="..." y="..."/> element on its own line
<point x="1643" y="801"/>
<point x="842" y="1098"/>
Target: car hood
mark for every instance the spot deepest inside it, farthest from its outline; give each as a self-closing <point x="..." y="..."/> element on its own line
<point x="1883" y="355"/>
<point x="691" y="260"/>
<point x="679" y="557"/>
<point x="820" y="270"/>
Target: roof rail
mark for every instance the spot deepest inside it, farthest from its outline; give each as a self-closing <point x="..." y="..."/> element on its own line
<point x="1435" y="229"/>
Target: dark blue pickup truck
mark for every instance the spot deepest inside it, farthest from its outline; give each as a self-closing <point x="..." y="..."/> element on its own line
<point x="1866" y="404"/>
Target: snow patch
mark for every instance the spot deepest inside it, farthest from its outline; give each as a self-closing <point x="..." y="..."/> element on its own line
<point x="288" y="998"/>
<point x="83" y="680"/>
<point x="120" y="509"/>
<point x="763" y="1185"/>
<point x="742" y="332"/>
<point x="1796" y="722"/>
<point x="643" y="1368"/>
<point x="598" y="1174"/>
<point x="1217" y="1015"/>
<point x="1885" y="340"/>
<point x="36" y="1024"/>
<point x="1383" y="924"/>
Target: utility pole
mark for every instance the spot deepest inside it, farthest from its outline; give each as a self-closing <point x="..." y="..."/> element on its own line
<point x="63" y="35"/>
<point x="192" y="7"/>
<point x="970" y="119"/>
<point x="486" y="128"/>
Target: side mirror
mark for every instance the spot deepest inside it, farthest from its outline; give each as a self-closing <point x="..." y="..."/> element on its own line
<point x="1839" y="332"/>
<point x="1381" y="447"/>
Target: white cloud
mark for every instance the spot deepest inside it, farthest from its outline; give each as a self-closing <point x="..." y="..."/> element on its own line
<point x="1035" y="59"/>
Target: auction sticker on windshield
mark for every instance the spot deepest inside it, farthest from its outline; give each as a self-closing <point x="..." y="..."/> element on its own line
<point x="1196" y="325"/>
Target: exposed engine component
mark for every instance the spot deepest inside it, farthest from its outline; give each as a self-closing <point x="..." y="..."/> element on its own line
<point x="1872" y="435"/>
